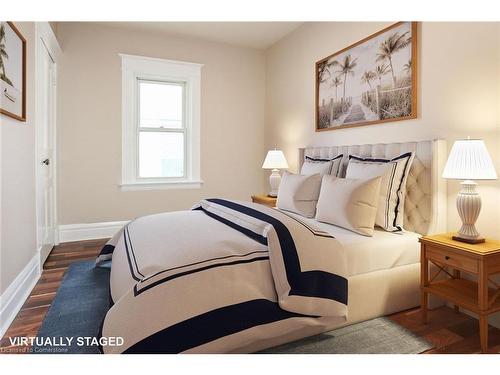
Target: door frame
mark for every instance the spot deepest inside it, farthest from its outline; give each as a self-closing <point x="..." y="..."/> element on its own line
<point x="45" y="38"/>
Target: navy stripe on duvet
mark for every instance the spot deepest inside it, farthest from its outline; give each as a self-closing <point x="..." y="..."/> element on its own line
<point x="211" y="326"/>
<point x="239" y="228"/>
<point x="128" y="249"/>
<point x="107" y="249"/>
<point x="307" y="284"/>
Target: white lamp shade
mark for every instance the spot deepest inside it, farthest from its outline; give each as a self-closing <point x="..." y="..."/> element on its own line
<point x="469" y="160"/>
<point x="275" y="159"/>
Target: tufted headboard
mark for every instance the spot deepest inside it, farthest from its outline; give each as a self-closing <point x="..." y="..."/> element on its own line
<point x="425" y="201"/>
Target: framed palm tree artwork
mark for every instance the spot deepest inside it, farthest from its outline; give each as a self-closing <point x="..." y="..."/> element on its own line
<point x="12" y="72"/>
<point x="369" y="82"/>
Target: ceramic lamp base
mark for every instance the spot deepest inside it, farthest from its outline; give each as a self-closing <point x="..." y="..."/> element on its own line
<point x="468" y="206"/>
<point x="274" y="181"/>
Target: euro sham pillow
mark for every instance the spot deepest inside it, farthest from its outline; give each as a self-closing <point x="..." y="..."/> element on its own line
<point x="394" y="173"/>
<point x="349" y="203"/>
<point x="321" y="166"/>
<point x="299" y="193"/>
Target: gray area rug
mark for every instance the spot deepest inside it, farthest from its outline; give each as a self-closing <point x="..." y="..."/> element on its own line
<point x="376" y="336"/>
<point x="83" y="300"/>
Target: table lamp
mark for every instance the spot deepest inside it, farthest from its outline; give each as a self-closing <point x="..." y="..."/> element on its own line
<point x="469" y="160"/>
<point x="275" y="160"/>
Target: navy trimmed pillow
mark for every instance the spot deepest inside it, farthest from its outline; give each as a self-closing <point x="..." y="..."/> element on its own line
<point x="322" y="166"/>
<point x="394" y="173"/>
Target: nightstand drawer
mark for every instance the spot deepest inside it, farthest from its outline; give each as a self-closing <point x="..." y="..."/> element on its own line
<point x="452" y="259"/>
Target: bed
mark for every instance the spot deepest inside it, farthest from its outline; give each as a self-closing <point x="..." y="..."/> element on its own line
<point x="385" y="291"/>
<point x="254" y="277"/>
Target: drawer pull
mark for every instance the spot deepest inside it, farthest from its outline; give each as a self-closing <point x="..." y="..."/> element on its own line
<point x="447" y="257"/>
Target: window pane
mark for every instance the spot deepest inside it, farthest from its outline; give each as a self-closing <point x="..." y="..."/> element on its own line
<point x="160" y="105"/>
<point x="161" y="154"/>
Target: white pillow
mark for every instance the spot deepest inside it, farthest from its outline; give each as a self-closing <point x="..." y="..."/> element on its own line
<point x="321" y="166"/>
<point x="349" y="203"/>
<point x="299" y="193"/>
<point x="394" y="173"/>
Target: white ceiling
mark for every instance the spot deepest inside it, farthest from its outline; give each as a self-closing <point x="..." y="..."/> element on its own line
<point x="260" y="35"/>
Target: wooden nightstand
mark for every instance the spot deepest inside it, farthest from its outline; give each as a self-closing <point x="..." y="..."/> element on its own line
<point x="265" y="200"/>
<point x="482" y="260"/>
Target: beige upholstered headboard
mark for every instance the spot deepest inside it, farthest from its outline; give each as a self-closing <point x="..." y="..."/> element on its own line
<point x="425" y="201"/>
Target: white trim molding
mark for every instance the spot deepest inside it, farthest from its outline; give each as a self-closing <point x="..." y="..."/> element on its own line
<point x="46" y="43"/>
<point x="17" y="292"/>
<point x="45" y="32"/>
<point x="191" y="184"/>
<point x="89" y="231"/>
<point x="187" y="74"/>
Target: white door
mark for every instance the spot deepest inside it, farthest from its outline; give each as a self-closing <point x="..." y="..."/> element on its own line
<point x="45" y="140"/>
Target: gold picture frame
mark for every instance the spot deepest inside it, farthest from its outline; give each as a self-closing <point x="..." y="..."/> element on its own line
<point x="12" y="72"/>
<point x="389" y="60"/>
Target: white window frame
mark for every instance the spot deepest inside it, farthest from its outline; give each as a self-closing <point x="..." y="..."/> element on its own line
<point x="139" y="68"/>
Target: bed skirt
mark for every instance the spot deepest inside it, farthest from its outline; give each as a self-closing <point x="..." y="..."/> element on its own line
<point x="371" y="295"/>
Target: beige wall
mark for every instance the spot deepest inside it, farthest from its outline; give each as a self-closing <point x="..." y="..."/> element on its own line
<point x="458" y="94"/>
<point x="89" y="122"/>
<point x="18" y="215"/>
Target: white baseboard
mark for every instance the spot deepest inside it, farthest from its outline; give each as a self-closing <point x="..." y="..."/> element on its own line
<point x="92" y="231"/>
<point x="44" y="252"/>
<point x="18" y="291"/>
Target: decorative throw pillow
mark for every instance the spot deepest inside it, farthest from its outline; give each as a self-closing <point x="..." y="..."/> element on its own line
<point x="349" y="203"/>
<point x="299" y="193"/>
<point x="321" y="166"/>
<point x="394" y="173"/>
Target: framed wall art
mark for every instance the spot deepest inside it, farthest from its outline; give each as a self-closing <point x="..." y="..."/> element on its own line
<point x="369" y="82"/>
<point x="12" y="72"/>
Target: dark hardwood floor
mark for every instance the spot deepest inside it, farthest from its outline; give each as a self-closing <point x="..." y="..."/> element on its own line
<point x="449" y="331"/>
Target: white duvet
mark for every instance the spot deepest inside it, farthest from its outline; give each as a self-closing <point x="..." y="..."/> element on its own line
<point x="225" y="277"/>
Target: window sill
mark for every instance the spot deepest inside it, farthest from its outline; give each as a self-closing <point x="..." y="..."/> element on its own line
<point x="161" y="185"/>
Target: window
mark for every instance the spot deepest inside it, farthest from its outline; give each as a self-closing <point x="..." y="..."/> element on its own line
<point x="160" y="123"/>
<point x="162" y="131"/>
